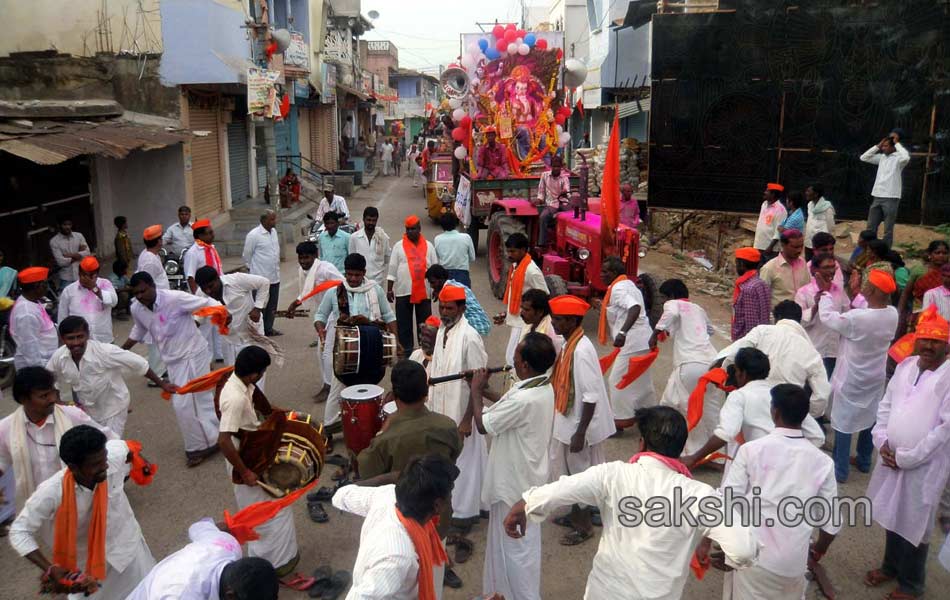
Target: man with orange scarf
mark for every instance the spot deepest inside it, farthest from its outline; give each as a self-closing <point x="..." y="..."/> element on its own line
<point x="523" y="275"/>
<point x="96" y="535"/>
<point x="751" y="297"/>
<point x="203" y="254"/>
<point x="407" y="287"/>
<point x="582" y="415"/>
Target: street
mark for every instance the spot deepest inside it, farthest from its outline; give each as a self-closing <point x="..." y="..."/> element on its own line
<point x="180" y="496"/>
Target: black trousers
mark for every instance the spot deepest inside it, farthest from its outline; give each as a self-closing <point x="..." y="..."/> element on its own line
<point x="906" y="562"/>
<point x="271" y="308"/>
<point x="404" y="326"/>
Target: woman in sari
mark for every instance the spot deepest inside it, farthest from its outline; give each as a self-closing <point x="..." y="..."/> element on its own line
<point x="923" y="277"/>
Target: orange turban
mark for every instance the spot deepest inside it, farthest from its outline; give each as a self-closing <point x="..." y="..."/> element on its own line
<point x="931" y="326"/>
<point x="568" y="305"/>
<point x="33" y="274"/>
<point x="434" y="321"/>
<point x="748" y="254"/>
<point x="882" y="281"/>
<point x="152" y="232"/>
<point x="412" y="221"/>
<point x="201" y="223"/>
<point x="89" y="264"/>
<point x="775" y="187"/>
<point x="452" y="293"/>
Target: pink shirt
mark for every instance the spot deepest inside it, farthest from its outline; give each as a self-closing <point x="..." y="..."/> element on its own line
<point x="630" y="212"/>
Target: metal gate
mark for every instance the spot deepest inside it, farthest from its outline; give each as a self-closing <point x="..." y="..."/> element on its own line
<point x="205" y="162"/>
<point x="323" y="142"/>
<point x="237" y="158"/>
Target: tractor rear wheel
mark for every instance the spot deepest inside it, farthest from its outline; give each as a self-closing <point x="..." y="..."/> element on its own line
<point x="651" y="297"/>
<point x="556" y="285"/>
<point x="500" y="226"/>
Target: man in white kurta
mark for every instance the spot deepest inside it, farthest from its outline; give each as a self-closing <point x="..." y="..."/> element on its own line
<point x="633" y="560"/>
<point x="374" y="244"/>
<point x="127" y="555"/>
<point x="179" y="236"/>
<point x="262" y="257"/>
<point x="92" y="298"/>
<point x="519" y="426"/>
<point x="167" y="316"/>
<point x="860" y="372"/>
<point x="30" y="325"/>
<point x="458" y="347"/>
<point x="245" y="296"/>
<point x="913" y="436"/>
<point x="825" y="339"/>
<point x="516" y="247"/>
<point x="150" y="262"/>
<point x="201" y="254"/>
<point x="781" y="466"/>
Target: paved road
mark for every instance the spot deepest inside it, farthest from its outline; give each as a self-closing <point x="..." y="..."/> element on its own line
<point x="180" y="496"/>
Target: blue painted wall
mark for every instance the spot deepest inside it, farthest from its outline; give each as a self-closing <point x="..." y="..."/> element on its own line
<point x="204" y="42"/>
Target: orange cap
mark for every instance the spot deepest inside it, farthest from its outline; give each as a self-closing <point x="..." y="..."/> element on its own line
<point x="931" y="326"/>
<point x="201" y="223"/>
<point x="434" y="321"/>
<point x="33" y="274"/>
<point x="775" y="187"/>
<point x="882" y="281"/>
<point x="452" y="293"/>
<point x="151" y="232"/>
<point x="489" y="129"/>
<point x="568" y="305"/>
<point x="89" y="264"/>
<point x="412" y="221"/>
<point x="748" y="254"/>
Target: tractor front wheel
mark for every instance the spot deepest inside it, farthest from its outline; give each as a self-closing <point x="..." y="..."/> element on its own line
<point x="651" y="297"/>
<point x="556" y="285"/>
<point x="500" y="227"/>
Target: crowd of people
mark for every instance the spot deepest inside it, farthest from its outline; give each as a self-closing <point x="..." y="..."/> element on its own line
<point x="813" y="346"/>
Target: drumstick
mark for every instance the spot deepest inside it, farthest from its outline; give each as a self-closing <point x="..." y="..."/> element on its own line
<point x="463" y="374"/>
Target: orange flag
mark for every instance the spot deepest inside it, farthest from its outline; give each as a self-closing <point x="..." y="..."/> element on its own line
<point x="218" y="314"/>
<point x="903" y="347"/>
<point x="610" y="188"/>
<point x="320" y="287"/>
<point x="241" y="525"/>
<point x="202" y="384"/>
<point x="139" y="464"/>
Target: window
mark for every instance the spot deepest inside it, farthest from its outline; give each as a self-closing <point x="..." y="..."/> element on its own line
<point x="595" y="11"/>
<point x="418" y="87"/>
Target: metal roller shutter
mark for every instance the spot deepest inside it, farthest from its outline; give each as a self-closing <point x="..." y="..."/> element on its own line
<point x="323" y="142"/>
<point x="237" y="157"/>
<point x="205" y="162"/>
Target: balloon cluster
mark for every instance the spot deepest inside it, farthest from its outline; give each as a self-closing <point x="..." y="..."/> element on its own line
<point x="462" y="132"/>
<point x="508" y="39"/>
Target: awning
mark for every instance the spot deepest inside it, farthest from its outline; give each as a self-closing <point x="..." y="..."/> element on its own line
<point x="350" y="90"/>
<point x="628" y="109"/>
<point x="53" y="142"/>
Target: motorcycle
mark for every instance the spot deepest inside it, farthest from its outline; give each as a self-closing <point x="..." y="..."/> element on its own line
<point x="175" y="270"/>
<point x="316" y="228"/>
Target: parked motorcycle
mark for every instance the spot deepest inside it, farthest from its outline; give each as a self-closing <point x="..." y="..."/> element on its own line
<point x="316" y="228"/>
<point x="175" y="270"/>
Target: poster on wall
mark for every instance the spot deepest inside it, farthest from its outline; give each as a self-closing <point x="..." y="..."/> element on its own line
<point x="262" y="92"/>
<point x="298" y="53"/>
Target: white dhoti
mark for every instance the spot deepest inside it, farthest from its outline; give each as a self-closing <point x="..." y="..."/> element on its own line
<point x="639" y="394"/>
<point x="196" y="417"/>
<point x="278" y="542"/>
<point x="326" y="354"/>
<point x="472" y="462"/>
<point x="513" y="340"/>
<point x="331" y="410"/>
<point x="120" y="584"/>
<point x="8" y="486"/>
<point x="512" y="566"/>
<point x="755" y="583"/>
<point x="116" y="422"/>
<point x="211" y="335"/>
<point x="680" y="385"/>
<point x="155" y="360"/>
<point x="565" y="462"/>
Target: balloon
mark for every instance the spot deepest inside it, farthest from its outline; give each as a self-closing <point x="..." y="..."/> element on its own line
<point x="455" y="102"/>
<point x="512" y="48"/>
<point x="510" y="27"/>
<point x="563" y="139"/>
<point x="519" y="41"/>
<point x="575" y="72"/>
<point x="559" y="130"/>
<point x="457" y="114"/>
<point x="492" y="54"/>
<point x="483" y="44"/>
<point x="541" y="44"/>
<point x="498" y="31"/>
<point x="560" y="54"/>
<point x="521" y="33"/>
<point x="560" y="119"/>
<point x="460" y="153"/>
<point x="501" y="46"/>
<point x="523" y="49"/>
<point x="510" y="36"/>
<point x="530" y="39"/>
<point x="459" y="134"/>
<point x="466" y="122"/>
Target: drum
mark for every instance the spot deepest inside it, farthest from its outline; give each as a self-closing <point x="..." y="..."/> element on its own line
<point x="299" y="458"/>
<point x="362" y="353"/>
<point x="389" y="409"/>
<point x="361" y="406"/>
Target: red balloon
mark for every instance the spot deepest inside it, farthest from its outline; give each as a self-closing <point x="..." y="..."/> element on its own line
<point x="498" y="32"/>
<point x="510" y="36"/>
<point x="510" y="27"/>
<point x="559" y="119"/>
<point x="466" y="122"/>
<point x="541" y="44"/>
<point x="560" y="54"/>
<point x="502" y="45"/>
<point x="521" y="33"/>
<point x="459" y="134"/>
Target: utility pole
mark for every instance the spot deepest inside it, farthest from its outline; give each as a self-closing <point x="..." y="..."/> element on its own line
<point x="266" y="127"/>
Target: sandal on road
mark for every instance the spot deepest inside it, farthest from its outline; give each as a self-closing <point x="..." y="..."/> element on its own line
<point x="877" y="577"/>
<point x="576" y="537"/>
<point x="463" y="550"/>
<point x="324" y="494"/>
<point x="564" y="521"/>
<point x="338" y="584"/>
<point x="899" y="595"/>
<point x="322" y="579"/>
<point x="298" y="582"/>
<point x="316" y="512"/>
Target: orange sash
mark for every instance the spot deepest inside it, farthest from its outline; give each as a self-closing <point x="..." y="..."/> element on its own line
<point x="211" y="256"/>
<point x="739" y="281"/>
<point x="218" y="314"/>
<point x="139" y="464"/>
<point x="320" y="287"/>
<point x="416" y="258"/>
<point x="65" y="535"/>
<point x="202" y="384"/>
<point x="241" y="525"/>
<point x="694" y="412"/>
<point x="428" y="547"/>
<point x="516" y="285"/>
<point x="563" y="377"/>
<point x="602" y="324"/>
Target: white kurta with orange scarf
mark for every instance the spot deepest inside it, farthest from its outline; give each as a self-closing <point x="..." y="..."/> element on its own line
<point x="625" y="295"/>
<point x="533" y="280"/>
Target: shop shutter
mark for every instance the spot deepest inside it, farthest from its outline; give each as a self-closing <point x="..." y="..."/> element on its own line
<point x="205" y="162"/>
<point x="237" y="158"/>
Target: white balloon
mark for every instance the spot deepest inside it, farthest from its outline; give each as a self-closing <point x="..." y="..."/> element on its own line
<point x="524" y="49"/>
<point x="457" y="114"/>
<point x="559" y="130"/>
<point x="461" y="153"/>
<point x="519" y="41"/>
<point x="564" y="138"/>
<point x="455" y="102"/>
<point x="512" y="48"/>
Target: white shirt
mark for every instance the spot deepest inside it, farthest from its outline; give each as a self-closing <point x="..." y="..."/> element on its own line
<point x="455" y="250"/>
<point x="639" y="562"/>
<point x="783" y="465"/>
<point x="770" y="217"/>
<point x="123" y="534"/>
<point x="61" y="245"/>
<point x="236" y="403"/>
<point x="194" y="572"/>
<point x="587" y="389"/>
<point x="150" y="263"/>
<point x="792" y="358"/>
<point x="941" y="297"/>
<point x="376" y="252"/>
<point x="399" y="269"/>
<point x="194" y="260"/>
<point x="689" y="325"/>
<point x="81" y="302"/>
<point x="338" y="206"/>
<point x="825" y="339"/>
<point x="98" y="379"/>
<point x="887" y="182"/>
<point x="824" y="221"/>
<point x="262" y="253"/>
<point x="457" y="349"/>
<point x="319" y="272"/>
<point x="178" y="238"/>
<point x="748" y="410"/>
<point x="34" y="333"/>
<point x="241" y="293"/>
<point x="170" y="324"/>
<point x="533" y="280"/>
<point x="388" y="152"/>
<point x="520" y="428"/>
<point x="41" y="442"/>
<point x="387" y="565"/>
<point x="860" y="376"/>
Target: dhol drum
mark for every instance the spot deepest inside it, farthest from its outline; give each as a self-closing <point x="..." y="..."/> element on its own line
<point x="361" y="406"/>
<point x="299" y="458"/>
<point x="362" y="353"/>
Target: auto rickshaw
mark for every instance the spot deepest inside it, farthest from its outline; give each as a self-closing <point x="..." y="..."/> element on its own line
<point x="440" y="193"/>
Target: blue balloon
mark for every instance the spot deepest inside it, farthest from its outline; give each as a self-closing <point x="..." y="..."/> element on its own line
<point x="530" y="39"/>
<point x="483" y="44"/>
<point x="493" y="54"/>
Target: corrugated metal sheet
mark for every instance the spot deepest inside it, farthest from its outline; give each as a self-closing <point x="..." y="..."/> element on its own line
<point x="237" y="159"/>
<point x="206" y="162"/>
<point x="631" y="108"/>
<point x="53" y="142"/>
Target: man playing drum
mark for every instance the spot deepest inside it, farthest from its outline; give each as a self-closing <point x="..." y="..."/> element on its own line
<point x="364" y="301"/>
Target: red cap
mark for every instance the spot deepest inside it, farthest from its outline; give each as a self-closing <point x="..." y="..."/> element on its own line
<point x="412" y="221"/>
<point x="201" y="223"/>
<point x="883" y="281"/>
<point x="151" y="232"/>
<point x="748" y="254"/>
<point x="33" y="274"/>
<point x="568" y="305"/>
<point x="775" y="187"/>
<point x="89" y="264"/>
<point x="452" y="293"/>
<point x="434" y="321"/>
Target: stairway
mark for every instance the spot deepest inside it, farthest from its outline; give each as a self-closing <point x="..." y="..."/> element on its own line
<point x="292" y="225"/>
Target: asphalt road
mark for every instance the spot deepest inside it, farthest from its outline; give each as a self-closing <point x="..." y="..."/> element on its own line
<point x="180" y="496"/>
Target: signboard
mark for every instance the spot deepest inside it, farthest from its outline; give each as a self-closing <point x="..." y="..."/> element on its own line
<point x="298" y="53"/>
<point x="328" y="72"/>
<point x="338" y="45"/>
<point x="262" y="93"/>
